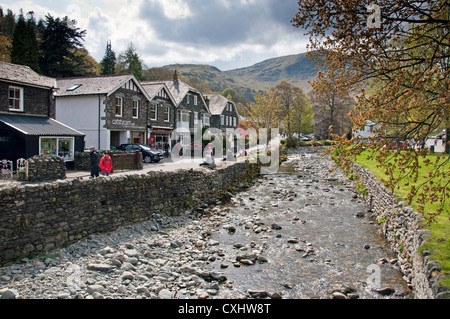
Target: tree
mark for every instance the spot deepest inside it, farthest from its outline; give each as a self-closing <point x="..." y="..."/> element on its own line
<point x="301" y="115"/>
<point x="400" y="51"/>
<point x="24" y="49"/>
<point x="60" y="41"/>
<point x="290" y="97"/>
<point x="109" y="60"/>
<point x="331" y="105"/>
<point x="264" y="112"/>
<point x="129" y="61"/>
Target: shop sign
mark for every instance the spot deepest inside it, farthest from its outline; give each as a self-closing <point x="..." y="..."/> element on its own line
<point x="123" y="123"/>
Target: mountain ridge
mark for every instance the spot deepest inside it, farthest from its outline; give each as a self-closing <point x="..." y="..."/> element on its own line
<point x="295" y="68"/>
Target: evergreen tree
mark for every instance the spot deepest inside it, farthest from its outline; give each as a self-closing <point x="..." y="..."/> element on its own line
<point x="129" y="61"/>
<point x="24" y="44"/>
<point x="109" y="60"/>
<point x="59" y="44"/>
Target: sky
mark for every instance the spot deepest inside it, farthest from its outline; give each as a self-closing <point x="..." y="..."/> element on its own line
<point x="227" y="34"/>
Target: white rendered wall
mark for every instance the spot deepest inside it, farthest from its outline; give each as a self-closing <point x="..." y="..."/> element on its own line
<point x="82" y="114"/>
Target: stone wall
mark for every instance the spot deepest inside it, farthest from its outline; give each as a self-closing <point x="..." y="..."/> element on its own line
<point x="45" y="168"/>
<point x="400" y="225"/>
<point x="35" y="218"/>
<point x="121" y="160"/>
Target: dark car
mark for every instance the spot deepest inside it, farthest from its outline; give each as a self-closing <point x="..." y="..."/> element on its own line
<point x="148" y="154"/>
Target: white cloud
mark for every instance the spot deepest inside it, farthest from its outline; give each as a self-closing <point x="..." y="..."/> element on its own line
<point x="224" y="33"/>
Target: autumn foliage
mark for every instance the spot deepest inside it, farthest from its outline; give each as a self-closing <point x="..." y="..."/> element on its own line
<point x="393" y="57"/>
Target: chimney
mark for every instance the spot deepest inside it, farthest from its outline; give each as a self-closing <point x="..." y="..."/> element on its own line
<point x="207" y="100"/>
<point x="175" y="76"/>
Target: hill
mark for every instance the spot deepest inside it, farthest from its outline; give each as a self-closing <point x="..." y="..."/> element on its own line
<point x="296" y="69"/>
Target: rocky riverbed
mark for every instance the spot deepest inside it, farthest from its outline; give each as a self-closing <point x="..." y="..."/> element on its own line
<point x="300" y="233"/>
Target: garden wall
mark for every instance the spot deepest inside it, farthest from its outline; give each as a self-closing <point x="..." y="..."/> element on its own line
<point x="401" y="227"/>
<point x="36" y="218"/>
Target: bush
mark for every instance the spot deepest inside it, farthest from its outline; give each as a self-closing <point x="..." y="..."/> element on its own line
<point x="292" y="142"/>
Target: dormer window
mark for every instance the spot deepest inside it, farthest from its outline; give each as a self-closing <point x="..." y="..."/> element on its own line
<point x="16" y="99"/>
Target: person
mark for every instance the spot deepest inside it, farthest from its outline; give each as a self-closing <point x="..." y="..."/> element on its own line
<point x="94" y="162"/>
<point x="106" y="164"/>
<point x="166" y="150"/>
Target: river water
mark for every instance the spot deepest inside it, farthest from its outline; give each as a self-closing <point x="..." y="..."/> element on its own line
<point x="314" y="234"/>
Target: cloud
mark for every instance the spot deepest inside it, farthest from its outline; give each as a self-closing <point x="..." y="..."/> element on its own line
<point x="224" y="33"/>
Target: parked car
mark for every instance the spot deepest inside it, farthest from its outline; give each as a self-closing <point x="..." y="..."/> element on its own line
<point x="148" y="154"/>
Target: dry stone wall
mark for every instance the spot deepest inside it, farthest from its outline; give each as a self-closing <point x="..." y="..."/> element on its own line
<point x="401" y="227"/>
<point x="38" y="217"/>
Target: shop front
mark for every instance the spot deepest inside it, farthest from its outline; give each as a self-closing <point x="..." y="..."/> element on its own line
<point x="159" y="136"/>
<point x="26" y="136"/>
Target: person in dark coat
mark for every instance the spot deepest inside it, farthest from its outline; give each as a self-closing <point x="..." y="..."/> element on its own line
<point x="95" y="171"/>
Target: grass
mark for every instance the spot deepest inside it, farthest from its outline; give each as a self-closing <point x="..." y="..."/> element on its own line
<point x="439" y="243"/>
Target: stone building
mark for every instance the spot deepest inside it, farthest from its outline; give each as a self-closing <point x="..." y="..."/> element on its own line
<point x="191" y="110"/>
<point x="27" y="124"/>
<point x="161" y="113"/>
<point x="224" y="113"/>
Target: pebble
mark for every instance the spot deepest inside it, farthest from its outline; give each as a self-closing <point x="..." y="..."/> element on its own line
<point x="170" y="257"/>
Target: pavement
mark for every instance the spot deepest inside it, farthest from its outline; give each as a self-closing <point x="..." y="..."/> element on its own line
<point x="164" y="165"/>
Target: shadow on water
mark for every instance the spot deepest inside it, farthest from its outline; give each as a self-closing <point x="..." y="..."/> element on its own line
<point x="302" y="221"/>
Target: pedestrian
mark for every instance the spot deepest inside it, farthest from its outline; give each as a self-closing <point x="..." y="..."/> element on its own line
<point x="94" y="162"/>
<point x="166" y="150"/>
<point x="106" y="164"/>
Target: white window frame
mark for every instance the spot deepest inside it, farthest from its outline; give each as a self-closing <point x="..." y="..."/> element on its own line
<point x="205" y="119"/>
<point x="21" y="104"/>
<point x="154" y="108"/>
<point x="195" y="117"/>
<point x="57" y="138"/>
<point x="188" y="99"/>
<point x="195" y="99"/>
<point x="222" y="120"/>
<point x="116" y="105"/>
<point x="136" y="104"/>
<point x="166" y="109"/>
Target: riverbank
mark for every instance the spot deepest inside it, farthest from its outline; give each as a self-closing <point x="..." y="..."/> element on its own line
<point x="299" y="234"/>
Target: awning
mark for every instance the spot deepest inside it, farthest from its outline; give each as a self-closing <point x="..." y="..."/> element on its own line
<point x="38" y="126"/>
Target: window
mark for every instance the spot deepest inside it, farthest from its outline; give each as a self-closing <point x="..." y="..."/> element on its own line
<point x="154" y="112"/>
<point x="74" y="87"/>
<point x="205" y="119"/>
<point x="222" y="120"/>
<point x="234" y="121"/>
<point x="188" y="99"/>
<point x="61" y="146"/>
<point x="166" y="113"/>
<point x="195" y="117"/>
<point x="15" y="98"/>
<point x="119" y="106"/>
<point x="183" y="116"/>
<point x="135" y="109"/>
<point x="195" y="99"/>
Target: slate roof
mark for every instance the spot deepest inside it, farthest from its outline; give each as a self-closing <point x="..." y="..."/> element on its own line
<point x="153" y="88"/>
<point x="38" y="125"/>
<point x="178" y="89"/>
<point x="217" y="103"/>
<point x="90" y="85"/>
<point x="24" y="75"/>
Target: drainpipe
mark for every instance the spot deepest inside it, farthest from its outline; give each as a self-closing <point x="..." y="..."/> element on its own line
<point x="99" y="118"/>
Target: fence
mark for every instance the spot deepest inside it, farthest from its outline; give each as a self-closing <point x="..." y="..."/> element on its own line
<point x="7" y="168"/>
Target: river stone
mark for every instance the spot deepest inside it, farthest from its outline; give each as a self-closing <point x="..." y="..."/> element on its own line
<point x="165" y="294"/>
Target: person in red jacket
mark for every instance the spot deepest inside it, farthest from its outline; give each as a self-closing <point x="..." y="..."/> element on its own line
<point x="106" y="164"/>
